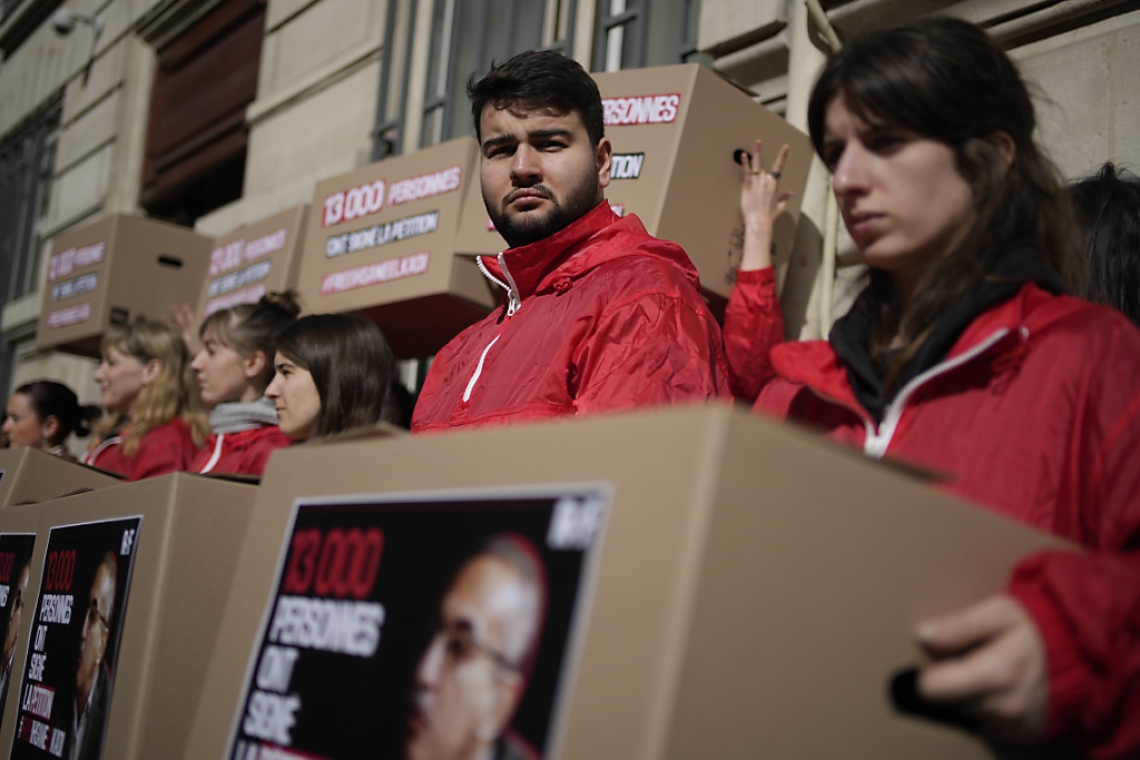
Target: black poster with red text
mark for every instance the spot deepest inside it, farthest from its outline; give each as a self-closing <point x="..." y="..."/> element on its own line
<point x="15" y="572"/>
<point x="417" y="626"/>
<point x="69" y="673"/>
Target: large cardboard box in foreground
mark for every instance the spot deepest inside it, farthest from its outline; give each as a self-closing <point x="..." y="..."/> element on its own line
<point x="29" y="475"/>
<point x="717" y="585"/>
<point x="113" y="270"/>
<point x="255" y="259"/>
<point x="128" y="589"/>
<point x="674" y="130"/>
<point x="382" y="240"/>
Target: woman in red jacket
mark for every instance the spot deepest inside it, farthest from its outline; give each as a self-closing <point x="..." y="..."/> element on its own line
<point x="233" y="368"/>
<point x="335" y="372"/>
<point x="964" y="352"/>
<point x="154" y="424"/>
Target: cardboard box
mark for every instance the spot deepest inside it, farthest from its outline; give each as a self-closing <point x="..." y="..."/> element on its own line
<point x="29" y="475"/>
<point x="381" y="242"/>
<point x="255" y="259"/>
<point x="20" y="556"/>
<point x="113" y="270"/>
<point x="709" y="593"/>
<point x="674" y="130"/>
<point x="155" y="560"/>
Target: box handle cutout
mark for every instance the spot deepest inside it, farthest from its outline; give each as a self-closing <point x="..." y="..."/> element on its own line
<point x="169" y="261"/>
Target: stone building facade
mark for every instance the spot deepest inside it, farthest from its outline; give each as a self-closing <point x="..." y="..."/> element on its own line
<point x="221" y="112"/>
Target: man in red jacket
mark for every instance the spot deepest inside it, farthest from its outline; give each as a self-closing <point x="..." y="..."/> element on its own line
<point x="598" y="314"/>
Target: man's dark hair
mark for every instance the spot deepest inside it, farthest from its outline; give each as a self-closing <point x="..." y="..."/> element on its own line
<point x="537" y="80"/>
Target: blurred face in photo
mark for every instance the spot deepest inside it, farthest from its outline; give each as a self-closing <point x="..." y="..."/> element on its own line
<point x="95" y="632"/>
<point x="468" y="682"/>
<point x="15" y="614"/>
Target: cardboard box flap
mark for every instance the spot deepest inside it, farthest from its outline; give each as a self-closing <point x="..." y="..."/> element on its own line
<point x="28" y="476"/>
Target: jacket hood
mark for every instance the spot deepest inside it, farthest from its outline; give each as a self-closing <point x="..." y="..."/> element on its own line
<point x="554" y="262"/>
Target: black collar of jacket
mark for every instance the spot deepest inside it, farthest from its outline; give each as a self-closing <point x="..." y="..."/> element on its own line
<point x="850" y="338"/>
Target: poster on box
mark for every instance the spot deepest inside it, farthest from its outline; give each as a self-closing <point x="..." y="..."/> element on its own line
<point x="15" y="572"/>
<point x="423" y="626"/>
<point x="69" y="675"/>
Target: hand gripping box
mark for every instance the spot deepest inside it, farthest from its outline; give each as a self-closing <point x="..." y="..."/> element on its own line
<point x="674" y="131"/>
<point x="127" y="589"/>
<point x="29" y="475"/>
<point x="255" y="259"/>
<point x="685" y="583"/>
<point x="113" y="270"/>
<point x="382" y="241"/>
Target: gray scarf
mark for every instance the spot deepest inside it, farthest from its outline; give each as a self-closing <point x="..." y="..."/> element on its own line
<point x="236" y="416"/>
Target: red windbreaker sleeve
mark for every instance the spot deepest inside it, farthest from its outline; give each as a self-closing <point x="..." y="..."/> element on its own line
<point x="651" y="349"/>
<point x="1087" y="606"/>
<point x="753" y="324"/>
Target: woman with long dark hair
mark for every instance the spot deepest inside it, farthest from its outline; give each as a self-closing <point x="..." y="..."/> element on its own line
<point x="334" y="372"/>
<point x="964" y="352"/>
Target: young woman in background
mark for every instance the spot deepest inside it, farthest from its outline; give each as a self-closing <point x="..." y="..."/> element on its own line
<point x="154" y="423"/>
<point x="43" y="413"/>
<point x="334" y="373"/>
<point x="233" y="367"/>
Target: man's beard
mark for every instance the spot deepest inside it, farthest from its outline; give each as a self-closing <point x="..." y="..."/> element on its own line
<point x="530" y="227"/>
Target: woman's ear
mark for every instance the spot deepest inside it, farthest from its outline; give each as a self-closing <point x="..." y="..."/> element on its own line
<point x="254" y="364"/>
<point x="152" y="370"/>
<point x="49" y="427"/>
<point x="1006" y="147"/>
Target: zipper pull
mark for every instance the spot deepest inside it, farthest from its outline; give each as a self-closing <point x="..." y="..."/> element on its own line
<point x="514" y="300"/>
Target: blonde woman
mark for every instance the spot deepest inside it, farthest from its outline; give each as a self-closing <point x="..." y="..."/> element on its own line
<point x="233" y="368"/>
<point x="154" y="422"/>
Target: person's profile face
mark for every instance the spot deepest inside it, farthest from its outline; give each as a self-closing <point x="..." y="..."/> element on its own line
<point x="467" y="681"/>
<point x="95" y="632"/>
<point x="21" y="423"/>
<point x="538" y="171"/>
<point x="220" y="372"/>
<point x="121" y="378"/>
<point x="16" y="612"/>
<point x="295" y="397"/>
